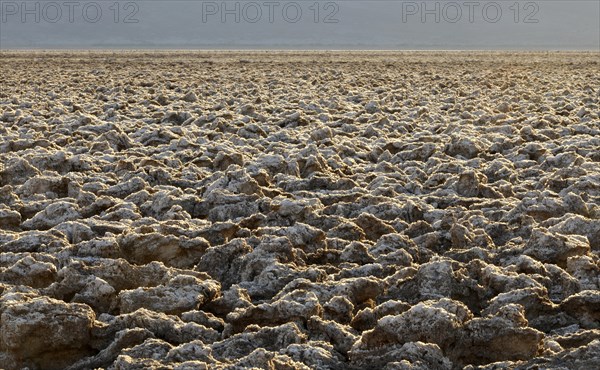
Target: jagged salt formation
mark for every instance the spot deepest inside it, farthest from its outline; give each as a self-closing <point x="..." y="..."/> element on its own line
<point x="299" y="211"/>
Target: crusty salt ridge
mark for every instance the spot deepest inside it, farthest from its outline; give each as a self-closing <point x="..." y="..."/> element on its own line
<point x="296" y="210"/>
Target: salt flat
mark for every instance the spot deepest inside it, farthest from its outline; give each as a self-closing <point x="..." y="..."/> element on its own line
<point x="293" y="210"/>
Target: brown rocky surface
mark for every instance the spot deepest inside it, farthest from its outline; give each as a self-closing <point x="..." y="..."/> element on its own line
<point x="299" y="210"/>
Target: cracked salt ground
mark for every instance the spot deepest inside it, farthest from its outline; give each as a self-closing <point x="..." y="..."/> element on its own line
<point x="299" y="210"/>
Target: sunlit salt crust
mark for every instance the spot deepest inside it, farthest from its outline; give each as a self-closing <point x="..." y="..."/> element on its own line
<point x="294" y="210"/>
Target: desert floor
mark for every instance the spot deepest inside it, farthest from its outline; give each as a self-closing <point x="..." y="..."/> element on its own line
<point x="294" y="210"/>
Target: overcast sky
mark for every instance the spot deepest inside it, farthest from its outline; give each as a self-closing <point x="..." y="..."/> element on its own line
<point x="301" y="24"/>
